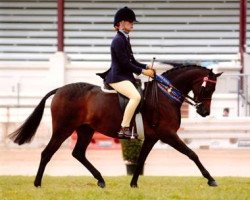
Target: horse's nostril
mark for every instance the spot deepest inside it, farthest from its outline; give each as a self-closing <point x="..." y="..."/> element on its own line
<point x="203" y="112"/>
<point x="206" y="113"/>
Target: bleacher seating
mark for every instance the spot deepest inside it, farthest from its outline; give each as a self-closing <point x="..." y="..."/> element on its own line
<point x="172" y="30"/>
<point x="215" y="128"/>
<point x="214" y="133"/>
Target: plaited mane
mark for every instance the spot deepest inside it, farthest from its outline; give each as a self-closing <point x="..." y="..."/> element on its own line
<point x="179" y="66"/>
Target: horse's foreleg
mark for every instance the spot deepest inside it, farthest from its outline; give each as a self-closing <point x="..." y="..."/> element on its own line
<point x="55" y="142"/>
<point x="179" y="145"/>
<point x="146" y="148"/>
<point x="84" y="135"/>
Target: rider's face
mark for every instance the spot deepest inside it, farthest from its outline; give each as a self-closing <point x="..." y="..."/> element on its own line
<point x="127" y="26"/>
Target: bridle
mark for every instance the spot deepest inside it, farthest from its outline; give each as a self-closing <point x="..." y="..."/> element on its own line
<point x="168" y="89"/>
<point x="173" y="93"/>
<point x="200" y="98"/>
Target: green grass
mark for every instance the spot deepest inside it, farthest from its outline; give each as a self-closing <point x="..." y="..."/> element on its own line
<point x="71" y="188"/>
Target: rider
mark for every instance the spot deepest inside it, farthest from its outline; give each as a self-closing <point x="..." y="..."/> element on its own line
<point x="120" y="76"/>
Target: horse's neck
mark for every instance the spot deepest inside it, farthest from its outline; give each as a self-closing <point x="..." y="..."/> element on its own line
<point x="183" y="81"/>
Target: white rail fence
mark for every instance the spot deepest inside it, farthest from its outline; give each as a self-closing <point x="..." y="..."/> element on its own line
<point x="210" y="132"/>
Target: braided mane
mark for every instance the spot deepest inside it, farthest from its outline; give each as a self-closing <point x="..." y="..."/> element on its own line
<point x="182" y="66"/>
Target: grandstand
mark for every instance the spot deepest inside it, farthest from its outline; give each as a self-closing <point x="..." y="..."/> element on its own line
<point x="201" y="31"/>
<point x="172" y="30"/>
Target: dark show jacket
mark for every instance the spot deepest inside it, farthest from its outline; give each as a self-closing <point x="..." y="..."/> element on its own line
<point x="123" y="63"/>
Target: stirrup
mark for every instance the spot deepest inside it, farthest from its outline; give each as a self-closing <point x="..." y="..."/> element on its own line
<point x="134" y="135"/>
<point x="129" y="135"/>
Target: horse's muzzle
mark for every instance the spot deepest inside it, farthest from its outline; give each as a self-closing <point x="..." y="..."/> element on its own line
<point x="202" y="111"/>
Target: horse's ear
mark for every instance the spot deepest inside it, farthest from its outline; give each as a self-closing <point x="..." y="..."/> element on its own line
<point x="210" y="72"/>
<point x="217" y="75"/>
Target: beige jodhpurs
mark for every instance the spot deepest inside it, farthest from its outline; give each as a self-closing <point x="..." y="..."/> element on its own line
<point x="128" y="89"/>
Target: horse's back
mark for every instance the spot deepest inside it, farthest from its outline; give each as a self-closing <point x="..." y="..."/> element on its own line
<point x="75" y="90"/>
<point x="84" y="103"/>
<point x="69" y="100"/>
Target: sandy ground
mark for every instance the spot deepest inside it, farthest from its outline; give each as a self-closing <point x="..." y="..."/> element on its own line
<point x="161" y="162"/>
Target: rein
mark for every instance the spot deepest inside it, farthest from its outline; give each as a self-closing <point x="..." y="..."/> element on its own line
<point x="169" y="90"/>
<point x="173" y="93"/>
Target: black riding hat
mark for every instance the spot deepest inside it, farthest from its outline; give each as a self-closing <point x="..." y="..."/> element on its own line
<point x="125" y="14"/>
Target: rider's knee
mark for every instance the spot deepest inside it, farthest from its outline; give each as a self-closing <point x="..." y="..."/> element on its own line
<point x="137" y="97"/>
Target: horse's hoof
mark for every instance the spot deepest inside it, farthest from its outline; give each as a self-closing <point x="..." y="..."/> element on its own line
<point x="101" y="184"/>
<point x="212" y="183"/>
<point x="38" y="185"/>
<point x="134" y="185"/>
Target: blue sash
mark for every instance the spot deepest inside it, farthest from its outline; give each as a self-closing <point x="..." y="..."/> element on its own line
<point x="168" y="89"/>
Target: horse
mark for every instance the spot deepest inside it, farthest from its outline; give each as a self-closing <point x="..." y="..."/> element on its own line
<point x="85" y="108"/>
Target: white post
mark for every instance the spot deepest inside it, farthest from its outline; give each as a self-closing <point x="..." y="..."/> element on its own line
<point x="247" y="63"/>
<point x="56" y="74"/>
<point x="247" y="82"/>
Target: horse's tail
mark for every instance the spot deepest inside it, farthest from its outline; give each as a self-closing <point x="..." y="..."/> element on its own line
<point x="27" y="130"/>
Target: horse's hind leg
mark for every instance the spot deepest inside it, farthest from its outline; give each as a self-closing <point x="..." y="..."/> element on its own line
<point x="179" y="145"/>
<point x="55" y="142"/>
<point x="85" y="133"/>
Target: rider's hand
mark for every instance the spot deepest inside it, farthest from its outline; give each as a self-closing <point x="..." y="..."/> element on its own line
<point x="149" y="72"/>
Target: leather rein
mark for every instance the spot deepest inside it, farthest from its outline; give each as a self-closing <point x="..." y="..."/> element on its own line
<point x="169" y="90"/>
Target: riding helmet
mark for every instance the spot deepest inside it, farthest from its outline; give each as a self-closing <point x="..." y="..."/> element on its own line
<point x="125" y="14"/>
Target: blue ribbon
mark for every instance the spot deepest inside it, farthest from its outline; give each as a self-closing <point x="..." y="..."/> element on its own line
<point x="163" y="80"/>
<point x="168" y="89"/>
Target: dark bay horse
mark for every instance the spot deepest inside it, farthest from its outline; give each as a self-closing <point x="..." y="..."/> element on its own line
<point x="85" y="108"/>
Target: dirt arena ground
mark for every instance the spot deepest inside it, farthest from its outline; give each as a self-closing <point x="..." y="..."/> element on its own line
<point x="161" y="162"/>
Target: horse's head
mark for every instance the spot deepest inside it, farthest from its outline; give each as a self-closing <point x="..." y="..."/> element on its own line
<point x="203" y="90"/>
<point x="190" y="77"/>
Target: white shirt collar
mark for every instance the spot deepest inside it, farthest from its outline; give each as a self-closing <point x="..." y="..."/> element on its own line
<point x="124" y="33"/>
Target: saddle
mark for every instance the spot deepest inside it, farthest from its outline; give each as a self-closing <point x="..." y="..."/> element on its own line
<point x="137" y="123"/>
<point x="122" y="99"/>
